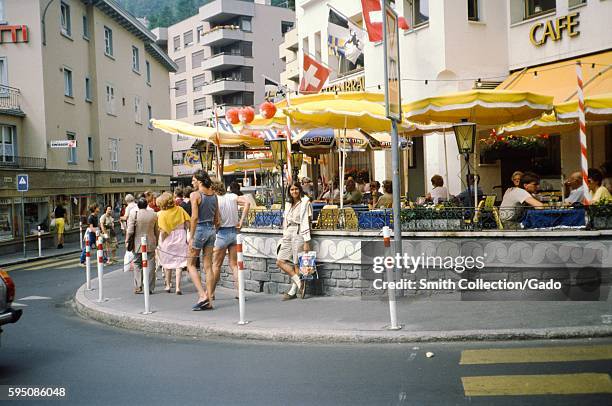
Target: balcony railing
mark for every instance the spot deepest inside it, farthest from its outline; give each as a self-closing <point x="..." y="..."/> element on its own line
<point x="10" y="100"/>
<point x="19" y="162"/>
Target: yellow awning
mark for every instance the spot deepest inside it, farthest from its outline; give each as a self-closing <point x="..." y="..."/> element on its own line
<point x="249" y="165"/>
<point x="559" y="79"/>
<point x="547" y="124"/>
<point x="596" y="108"/>
<point x="226" y="139"/>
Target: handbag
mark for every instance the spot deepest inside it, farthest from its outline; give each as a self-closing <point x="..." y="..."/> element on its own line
<point x="130" y="244"/>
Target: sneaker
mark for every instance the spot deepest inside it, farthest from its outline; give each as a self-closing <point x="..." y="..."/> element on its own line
<point x="82" y="265"/>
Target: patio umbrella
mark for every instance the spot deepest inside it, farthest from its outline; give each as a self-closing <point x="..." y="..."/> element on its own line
<point x="483" y="107"/>
<point x="381" y="141"/>
<point x="226" y="139"/>
<point x="249" y="165"/>
<point x="547" y="123"/>
<point x="596" y="108"/>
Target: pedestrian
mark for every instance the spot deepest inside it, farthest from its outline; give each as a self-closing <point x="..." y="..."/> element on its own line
<point x="60" y="214"/>
<point x="186" y="204"/>
<point x="296" y="238"/>
<point x="230" y="223"/>
<point x="130" y="205"/>
<point x="173" y="224"/>
<point x="204" y="220"/>
<point x="151" y="196"/>
<point x="107" y="227"/>
<point x="143" y="223"/>
<point x="235" y="189"/>
<point x="93" y="224"/>
<point x="178" y="196"/>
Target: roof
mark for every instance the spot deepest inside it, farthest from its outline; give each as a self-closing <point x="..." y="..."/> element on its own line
<point x="160" y="56"/>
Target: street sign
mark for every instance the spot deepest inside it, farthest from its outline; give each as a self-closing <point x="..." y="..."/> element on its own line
<point x="23" y="184"/>
<point x="63" y="144"/>
<point x="393" y="98"/>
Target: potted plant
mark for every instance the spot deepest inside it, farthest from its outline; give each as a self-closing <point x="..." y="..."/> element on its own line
<point x="601" y="214"/>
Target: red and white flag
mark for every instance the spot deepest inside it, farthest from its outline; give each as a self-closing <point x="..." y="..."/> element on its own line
<point x="373" y="17"/>
<point x="314" y="75"/>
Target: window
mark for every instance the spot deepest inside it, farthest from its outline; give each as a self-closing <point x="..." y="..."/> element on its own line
<point x="68" y="82"/>
<point x="419" y="12"/>
<point x="110" y="99"/>
<point x="473" y="14"/>
<point x="7" y="143"/>
<point x="198" y="82"/>
<point x="2" y="10"/>
<point x="108" y="41"/>
<point x="535" y="7"/>
<point x="65" y="19"/>
<point x="151" y="161"/>
<point x="139" y="160"/>
<point x="196" y="59"/>
<point x="285" y="27"/>
<point x="137" y="115"/>
<point x="87" y="89"/>
<point x="177" y="42"/>
<point x="188" y="38"/>
<point x="85" y="27"/>
<point x="180" y="62"/>
<point x="180" y="88"/>
<point x="3" y="74"/>
<point x="135" y="59"/>
<point x="245" y="24"/>
<point x="113" y="149"/>
<point x="571" y="3"/>
<point x="200" y="33"/>
<point x="72" y="152"/>
<point x="90" y="153"/>
<point x="199" y="105"/>
<point x="181" y="110"/>
<point x="150" y="116"/>
<point x="148" y="68"/>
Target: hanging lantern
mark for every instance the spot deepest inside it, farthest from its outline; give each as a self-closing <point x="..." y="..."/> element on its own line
<point x="232" y="116"/>
<point x="246" y="115"/>
<point x="267" y="110"/>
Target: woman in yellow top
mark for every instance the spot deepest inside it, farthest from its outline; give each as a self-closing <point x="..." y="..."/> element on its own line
<point x="386" y="200"/>
<point x="598" y="192"/>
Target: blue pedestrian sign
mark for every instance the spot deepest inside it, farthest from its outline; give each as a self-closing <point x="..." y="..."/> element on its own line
<point x="23" y="183"/>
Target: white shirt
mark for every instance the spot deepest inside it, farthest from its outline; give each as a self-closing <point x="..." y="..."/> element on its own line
<point x="228" y="209"/>
<point x="129" y="208"/>
<point x="439" y="192"/>
<point x="576" y="195"/>
<point x="513" y="198"/>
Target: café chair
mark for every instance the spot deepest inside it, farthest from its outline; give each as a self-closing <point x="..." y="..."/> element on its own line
<point x="487" y="205"/>
<point x="328" y="218"/>
<point x="349" y="219"/>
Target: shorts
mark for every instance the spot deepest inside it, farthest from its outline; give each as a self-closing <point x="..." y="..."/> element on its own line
<point x="204" y="236"/>
<point x="59" y="225"/>
<point x="290" y="246"/>
<point x="226" y="237"/>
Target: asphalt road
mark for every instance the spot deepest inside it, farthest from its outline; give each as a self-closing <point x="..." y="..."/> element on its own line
<point x="98" y="365"/>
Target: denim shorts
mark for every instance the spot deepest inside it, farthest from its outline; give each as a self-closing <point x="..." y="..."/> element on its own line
<point x="204" y="236"/>
<point x="226" y="237"/>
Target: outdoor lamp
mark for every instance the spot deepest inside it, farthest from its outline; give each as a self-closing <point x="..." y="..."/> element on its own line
<point x="296" y="159"/>
<point x="279" y="154"/>
<point x="465" y="135"/>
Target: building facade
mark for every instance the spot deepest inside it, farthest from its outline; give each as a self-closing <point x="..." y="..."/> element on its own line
<point x="81" y="89"/>
<point x="223" y="55"/>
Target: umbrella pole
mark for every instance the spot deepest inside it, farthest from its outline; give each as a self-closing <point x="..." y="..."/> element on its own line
<point x="583" y="139"/>
<point x="446" y="165"/>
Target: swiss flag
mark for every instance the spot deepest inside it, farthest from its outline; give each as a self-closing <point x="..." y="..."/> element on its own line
<point x="372" y="14"/>
<point x="313" y="76"/>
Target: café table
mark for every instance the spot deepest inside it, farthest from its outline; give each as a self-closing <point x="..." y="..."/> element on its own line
<point x="551" y="218"/>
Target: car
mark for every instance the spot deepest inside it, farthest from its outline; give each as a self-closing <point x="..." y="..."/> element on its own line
<point x="7" y="295"/>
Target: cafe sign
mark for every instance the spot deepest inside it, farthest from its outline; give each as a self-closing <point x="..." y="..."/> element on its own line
<point x="554" y="29"/>
<point x="64" y="144"/>
<point x="356" y="84"/>
<point x="13" y="33"/>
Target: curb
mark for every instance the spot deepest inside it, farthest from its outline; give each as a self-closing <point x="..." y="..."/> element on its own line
<point x="151" y="324"/>
<point x="33" y="259"/>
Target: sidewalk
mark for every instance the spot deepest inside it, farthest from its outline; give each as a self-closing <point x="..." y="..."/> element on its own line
<point x="340" y="319"/>
<point x="32" y="255"/>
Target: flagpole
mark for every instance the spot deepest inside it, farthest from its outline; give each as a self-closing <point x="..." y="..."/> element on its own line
<point x="219" y="173"/>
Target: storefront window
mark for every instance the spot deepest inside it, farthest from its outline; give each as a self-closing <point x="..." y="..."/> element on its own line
<point x="36" y="213"/>
<point x="6" y="219"/>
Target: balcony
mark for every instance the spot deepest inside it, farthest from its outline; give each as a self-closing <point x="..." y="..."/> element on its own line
<point x="226" y="86"/>
<point x="292" y="70"/>
<point x="222" y="36"/>
<point x="218" y="11"/>
<point x="291" y="40"/>
<point x="209" y="113"/>
<point x="22" y="162"/>
<point x="223" y="61"/>
<point x="10" y="101"/>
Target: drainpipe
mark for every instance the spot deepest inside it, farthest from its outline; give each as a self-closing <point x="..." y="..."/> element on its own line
<point x="42" y="21"/>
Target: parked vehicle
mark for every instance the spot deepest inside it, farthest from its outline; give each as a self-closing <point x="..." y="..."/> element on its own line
<point x="7" y="295"/>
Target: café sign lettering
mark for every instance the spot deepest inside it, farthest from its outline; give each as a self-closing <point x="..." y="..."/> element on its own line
<point x="350" y="85"/>
<point x="553" y="29"/>
<point x="15" y="33"/>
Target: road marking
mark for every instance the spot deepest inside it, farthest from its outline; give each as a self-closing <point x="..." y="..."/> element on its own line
<point x="15" y="304"/>
<point x="35" y="298"/>
<point x="517" y="385"/>
<point x="28" y="265"/>
<point x="543" y="354"/>
<point x="51" y="265"/>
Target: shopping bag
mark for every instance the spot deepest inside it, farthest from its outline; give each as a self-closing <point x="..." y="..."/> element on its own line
<point x="307" y="263"/>
<point x="128" y="260"/>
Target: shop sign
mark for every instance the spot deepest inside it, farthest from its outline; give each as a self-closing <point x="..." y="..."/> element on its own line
<point x="18" y="33"/>
<point x="5" y="202"/>
<point x="64" y="144"/>
<point x="37" y="200"/>
<point x="553" y="29"/>
<point x="356" y="84"/>
<point x="8" y="179"/>
<point x="393" y="98"/>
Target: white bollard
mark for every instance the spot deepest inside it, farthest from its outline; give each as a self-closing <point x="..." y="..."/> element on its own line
<point x="39" y="243"/>
<point x="391" y="292"/>
<point x="100" y="254"/>
<point x="145" y="274"/>
<point x="87" y="262"/>
<point x="81" y="234"/>
<point x="241" y="298"/>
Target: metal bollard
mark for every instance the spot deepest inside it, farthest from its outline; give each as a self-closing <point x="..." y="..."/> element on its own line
<point x="391" y="292"/>
<point x="100" y="254"/>
<point x="39" y="243"/>
<point x="81" y="234"/>
<point x="145" y="274"/>
<point x="241" y="301"/>
<point x="87" y="262"/>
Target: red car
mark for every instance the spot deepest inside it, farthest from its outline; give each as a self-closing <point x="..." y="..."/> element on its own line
<point x="7" y="295"/>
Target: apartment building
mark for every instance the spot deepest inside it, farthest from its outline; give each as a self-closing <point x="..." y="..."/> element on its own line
<point x="288" y="53"/>
<point x="223" y="54"/>
<point x="80" y="90"/>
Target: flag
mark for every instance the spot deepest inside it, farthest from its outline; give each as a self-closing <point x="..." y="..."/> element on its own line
<point x="314" y="75"/>
<point x="372" y="14"/>
<point x="344" y="38"/>
<point x="225" y="125"/>
<point x="273" y="91"/>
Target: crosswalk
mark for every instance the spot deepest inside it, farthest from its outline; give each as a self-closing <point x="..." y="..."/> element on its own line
<point x="63" y="262"/>
<point x="577" y="383"/>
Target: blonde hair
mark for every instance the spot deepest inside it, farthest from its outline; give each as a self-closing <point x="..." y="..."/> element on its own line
<point x="165" y="201"/>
